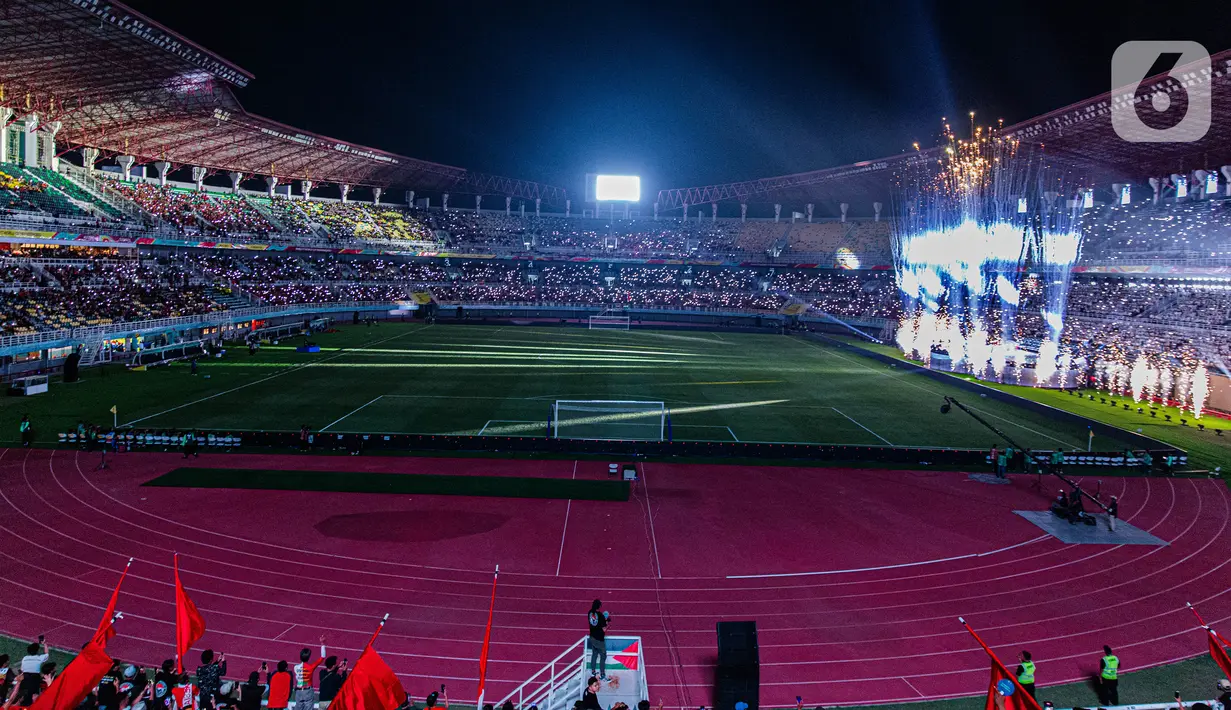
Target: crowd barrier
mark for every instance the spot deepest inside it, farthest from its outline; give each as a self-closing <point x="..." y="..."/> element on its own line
<point x="327" y="442"/>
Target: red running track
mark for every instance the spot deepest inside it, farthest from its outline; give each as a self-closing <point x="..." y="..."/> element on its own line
<point x="897" y="557"/>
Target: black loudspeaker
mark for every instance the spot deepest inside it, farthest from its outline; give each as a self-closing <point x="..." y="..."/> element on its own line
<point x="729" y="691"/>
<point x="737" y="644"/>
<point x="71" y="365"/>
<point x="738" y="676"/>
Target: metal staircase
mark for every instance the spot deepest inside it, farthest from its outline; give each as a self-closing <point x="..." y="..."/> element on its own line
<point x="562" y="681"/>
<point x="95" y="352"/>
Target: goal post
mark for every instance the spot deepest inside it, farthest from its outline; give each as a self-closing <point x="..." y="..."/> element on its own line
<point x="608" y="419"/>
<point x="604" y="322"/>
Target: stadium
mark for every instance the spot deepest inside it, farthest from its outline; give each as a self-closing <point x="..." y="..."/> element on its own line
<point x="854" y="436"/>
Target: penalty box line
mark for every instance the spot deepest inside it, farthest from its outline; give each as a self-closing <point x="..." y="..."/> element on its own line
<point x="356" y="409"/>
<point x="507" y="421"/>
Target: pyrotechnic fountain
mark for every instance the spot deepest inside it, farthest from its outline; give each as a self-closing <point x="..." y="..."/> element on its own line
<point x="971" y="219"/>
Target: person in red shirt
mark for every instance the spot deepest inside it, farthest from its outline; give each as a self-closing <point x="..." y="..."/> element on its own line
<point x="279" y="683"/>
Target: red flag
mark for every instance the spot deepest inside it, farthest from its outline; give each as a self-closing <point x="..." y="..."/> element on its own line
<point x="1017" y="698"/>
<point x="371" y="684"/>
<point x="1218" y="653"/>
<point x="487" y="639"/>
<point x="79" y="677"/>
<point x="189" y="625"/>
<point x="105" y="630"/>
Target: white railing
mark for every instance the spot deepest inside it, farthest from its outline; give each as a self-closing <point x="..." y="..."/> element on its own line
<point x="555" y="684"/>
<point x="559" y="683"/>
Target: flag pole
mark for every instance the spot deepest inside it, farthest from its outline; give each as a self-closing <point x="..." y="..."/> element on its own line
<point x="487" y="639"/>
<point x="997" y="664"/>
<point x="1194" y="611"/>
<point x="1206" y="626"/>
<point x="115" y="596"/>
<point x="100" y="635"/>
<point x="379" y="626"/>
<point x="175" y="563"/>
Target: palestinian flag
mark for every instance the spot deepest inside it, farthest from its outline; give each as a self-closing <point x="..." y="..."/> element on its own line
<point x="624" y="653"/>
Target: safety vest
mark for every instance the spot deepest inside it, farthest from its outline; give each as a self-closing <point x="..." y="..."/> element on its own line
<point x="1111" y="667"/>
<point x="25" y="426"/>
<point x="1027" y="675"/>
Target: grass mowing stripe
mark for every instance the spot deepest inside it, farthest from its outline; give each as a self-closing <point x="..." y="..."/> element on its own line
<point x="266" y="379"/>
<point x="398" y="483"/>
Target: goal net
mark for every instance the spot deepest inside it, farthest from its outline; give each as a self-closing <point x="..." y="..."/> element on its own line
<point x="609" y="322"/>
<point x="608" y="419"/>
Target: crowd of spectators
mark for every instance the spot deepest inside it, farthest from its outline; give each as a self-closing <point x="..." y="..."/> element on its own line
<point x="355" y="220"/>
<point x="616" y="297"/>
<point x="196" y="212"/>
<point x="1123" y="316"/>
<point x="1178" y="231"/>
<point x="290" y="215"/>
<point x="84" y="292"/>
<point x="27" y="190"/>
<point x="476" y="232"/>
<point x="569" y="275"/>
<point x="1186" y="302"/>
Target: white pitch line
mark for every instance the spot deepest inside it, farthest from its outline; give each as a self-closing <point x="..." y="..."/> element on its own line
<point x="878" y="436"/>
<point x="356" y="409"/>
<point x="267" y="379"/>
<point x="733" y="436"/>
<point x="568" y="509"/>
<point x="484" y="428"/>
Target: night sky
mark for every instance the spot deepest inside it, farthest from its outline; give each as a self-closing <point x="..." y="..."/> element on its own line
<point x="681" y="93"/>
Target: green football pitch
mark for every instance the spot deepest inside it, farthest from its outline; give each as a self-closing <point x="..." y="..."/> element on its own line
<point x="502" y="381"/>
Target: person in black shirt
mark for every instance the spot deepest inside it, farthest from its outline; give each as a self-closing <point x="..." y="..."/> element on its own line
<point x="598" y="622"/>
<point x="1224" y="693"/>
<point x="589" y="699"/>
<point x="250" y="693"/>
<point x="132" y="683"/>
<point x="209" y="676"/>
<point x="332" y="676"/>
<point x="165" y="679"/>
<point x="108" y="689"/>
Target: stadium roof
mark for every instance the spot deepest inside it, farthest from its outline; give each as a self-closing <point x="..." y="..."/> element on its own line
<point x="120" y="82"/>
<point x="1081" y="135"/>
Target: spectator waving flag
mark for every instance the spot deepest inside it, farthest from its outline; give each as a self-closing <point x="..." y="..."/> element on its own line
<point x="1003" y="692"/>
<point x="189" y="625"/>
<point x="371" y="684"/>
<point x="80" y="676"/>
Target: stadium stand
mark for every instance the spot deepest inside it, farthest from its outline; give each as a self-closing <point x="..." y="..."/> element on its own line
<point x="1184" y="231"/>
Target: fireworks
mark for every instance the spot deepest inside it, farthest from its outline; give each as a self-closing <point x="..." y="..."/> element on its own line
<point x="961" y="242"/>
<point x="1199" y="391"/>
